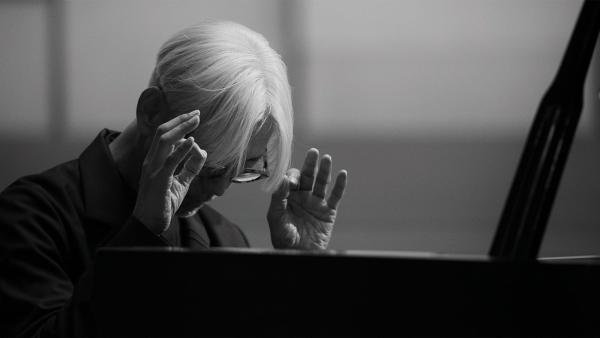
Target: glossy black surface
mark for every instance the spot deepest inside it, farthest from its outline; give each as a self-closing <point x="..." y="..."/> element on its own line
<point x="143" y="292"/>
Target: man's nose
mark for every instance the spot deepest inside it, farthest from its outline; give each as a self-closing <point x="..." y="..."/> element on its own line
<point x="221" y="185"/>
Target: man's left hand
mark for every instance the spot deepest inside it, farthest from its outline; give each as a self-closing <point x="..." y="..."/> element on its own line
<point x="300" y="217"/>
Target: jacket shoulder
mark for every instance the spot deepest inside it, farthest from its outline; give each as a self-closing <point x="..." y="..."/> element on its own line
<point x="43" y="203"/>
<point x="38" y="214"/>
<point x="59" y="187"/>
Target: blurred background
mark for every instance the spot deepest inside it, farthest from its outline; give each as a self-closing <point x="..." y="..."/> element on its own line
<point x="426" y="103"/>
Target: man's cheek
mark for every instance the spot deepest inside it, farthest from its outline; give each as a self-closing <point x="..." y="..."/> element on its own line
<point x="195" y="190"/>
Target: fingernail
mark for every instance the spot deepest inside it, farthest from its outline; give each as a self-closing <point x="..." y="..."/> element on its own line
<point x="194" y="113"/>
<point x="203" y="153"/>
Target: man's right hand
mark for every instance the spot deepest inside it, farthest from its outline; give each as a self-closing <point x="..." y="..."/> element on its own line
<point x="161" y="192"/>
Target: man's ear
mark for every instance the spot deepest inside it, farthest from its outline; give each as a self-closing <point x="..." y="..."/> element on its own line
<point x="151" y="110"/>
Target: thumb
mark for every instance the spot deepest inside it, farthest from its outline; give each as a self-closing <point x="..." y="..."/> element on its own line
<point x="290" y="182"/>
<point x="279" y="197"/>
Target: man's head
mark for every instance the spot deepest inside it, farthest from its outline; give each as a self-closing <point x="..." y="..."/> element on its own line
<point x="239" y="84"/>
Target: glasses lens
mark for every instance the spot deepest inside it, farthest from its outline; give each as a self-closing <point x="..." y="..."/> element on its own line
<point x="247" y="177"/>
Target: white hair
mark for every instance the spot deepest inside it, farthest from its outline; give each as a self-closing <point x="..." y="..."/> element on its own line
<point x="240" y="85"/>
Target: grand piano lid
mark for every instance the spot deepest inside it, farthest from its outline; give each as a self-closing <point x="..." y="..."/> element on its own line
<point x="352" y="254"/>
<point x="584" y="259"/>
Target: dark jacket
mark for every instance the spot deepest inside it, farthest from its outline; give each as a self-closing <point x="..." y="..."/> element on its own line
<point x="51" y="225"/>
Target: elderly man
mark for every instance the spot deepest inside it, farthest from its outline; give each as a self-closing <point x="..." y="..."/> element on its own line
<point x="217" y="110"/>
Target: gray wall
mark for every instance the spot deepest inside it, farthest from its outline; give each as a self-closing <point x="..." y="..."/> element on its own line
<point x="426" y="103"/>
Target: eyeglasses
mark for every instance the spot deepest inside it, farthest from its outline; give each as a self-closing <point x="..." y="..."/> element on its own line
<point x="256" y="172"/>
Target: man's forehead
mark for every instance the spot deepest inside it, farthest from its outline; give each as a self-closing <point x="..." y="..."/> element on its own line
<point x="258" y="143"/>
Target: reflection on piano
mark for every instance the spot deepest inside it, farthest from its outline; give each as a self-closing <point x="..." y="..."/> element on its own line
<point x="227" y="292"/>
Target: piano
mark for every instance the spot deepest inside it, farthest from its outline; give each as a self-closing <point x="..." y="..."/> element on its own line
<point x="275" y="293"/>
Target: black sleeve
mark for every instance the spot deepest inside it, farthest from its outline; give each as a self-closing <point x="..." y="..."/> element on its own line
<point x="46" y="272"/>
<point x="134" y="233"/>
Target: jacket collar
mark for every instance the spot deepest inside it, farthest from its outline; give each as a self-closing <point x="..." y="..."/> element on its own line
<point x="107" y="199"/>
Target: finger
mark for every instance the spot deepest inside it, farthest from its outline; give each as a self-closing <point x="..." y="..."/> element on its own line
<point x="338" y="190"/>
<point x="323" y="177"/>
<point x="279" y="199"/>
<point x="177" y="144"/>
<point x="193" y="165"/>
<point x="167" y="126"/>
<point x="307" y="175"/>
<point x="182" y="148"/>
<point x="290" y="182"/>
<point x="166" y="141"/>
